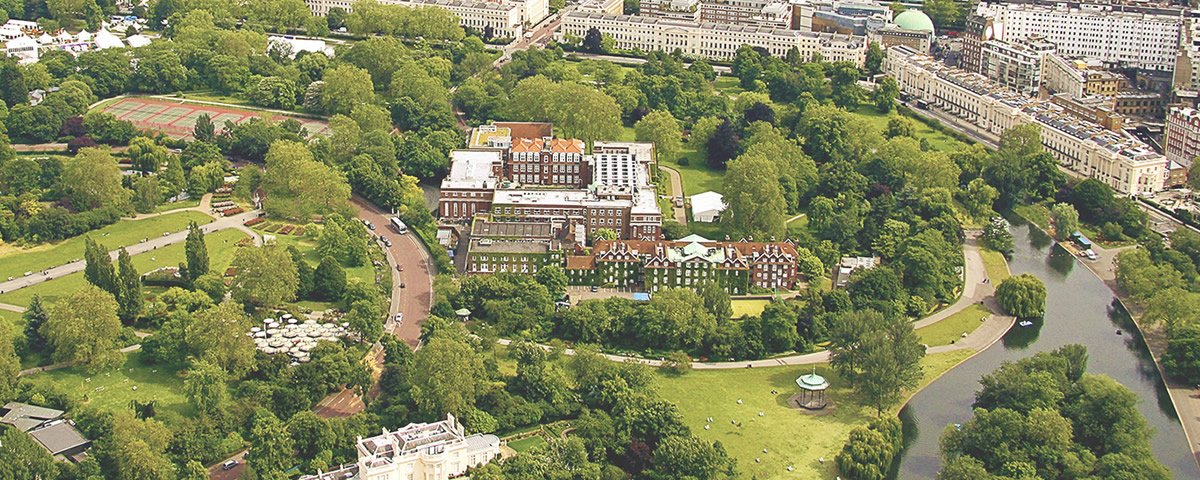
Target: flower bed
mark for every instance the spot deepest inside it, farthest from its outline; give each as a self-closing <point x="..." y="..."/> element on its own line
<point x="274" y="227"/>
<point x="232" y="211"/>
<point x="245" y="242"/>
<point x="298" y="231"/>
<point x="254" y="221"/>
<point x="287" y="229"/>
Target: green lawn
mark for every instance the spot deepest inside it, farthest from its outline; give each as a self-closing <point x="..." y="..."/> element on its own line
<point x="951" y="328"/>
<point x="1037" y="213"/>
<point x="790" y="437"/>
<point x="189" y="203"/>
<point x="937" y="140"/>
<point x="213" y="96"/>
<point x="728" y="86"/>
<point x="220" y="253"/>
<point x="627" y="135"/>
<point x="527" y="443"/>
<point x="113" y="390"/>
<point x="995" y="264"/>
<point x="15" y="261"/>
<point x="696" y="176"/>
<point x="742" y="308"/>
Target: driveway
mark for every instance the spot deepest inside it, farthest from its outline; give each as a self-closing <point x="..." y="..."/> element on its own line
<point x="676" y="192"/>
<point x="215" y="472"/>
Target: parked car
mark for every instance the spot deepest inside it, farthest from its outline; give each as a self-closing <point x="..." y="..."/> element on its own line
<point x="595" y="288"/>
<point x="399" y="317"/>
<point x="400" y="267"/>
<point x="401" y="284"/>
<point x="229" y="465"/>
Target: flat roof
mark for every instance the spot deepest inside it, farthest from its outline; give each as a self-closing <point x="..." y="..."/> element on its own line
<point x="59" y="437"/>
<point x="472" y="169"/>
<point x="484" y="228"/>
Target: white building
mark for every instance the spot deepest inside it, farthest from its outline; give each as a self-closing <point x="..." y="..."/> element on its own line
<point x="1181" y="136"/>
<point x="711" y="40"/>
<point x="294" y="45"/>
<point x="1138" y="40"/>
<point x="16" y="28"/>
<point x="1118" y="159"/>
<point x="507" y="18"/>
<point x="25" y="49"/>
<point x="1017" y="64"/>
<point x="426" y="451"/>
<point x="707" y="207"/>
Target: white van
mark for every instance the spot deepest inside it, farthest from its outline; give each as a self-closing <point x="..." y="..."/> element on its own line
<point x="1090" y="254"/>
<point x="399" y="225"/>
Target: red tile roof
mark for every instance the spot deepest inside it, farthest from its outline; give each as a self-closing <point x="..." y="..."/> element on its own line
<point x="527" y="145"/>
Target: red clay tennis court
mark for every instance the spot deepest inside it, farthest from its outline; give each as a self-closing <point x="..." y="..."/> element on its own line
<point x="177" y="119"/>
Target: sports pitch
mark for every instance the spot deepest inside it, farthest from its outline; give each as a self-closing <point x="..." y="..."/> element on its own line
<point x="178" y="118"/>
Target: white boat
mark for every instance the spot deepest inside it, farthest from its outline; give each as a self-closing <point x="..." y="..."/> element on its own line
<point x="1025" y="323"/>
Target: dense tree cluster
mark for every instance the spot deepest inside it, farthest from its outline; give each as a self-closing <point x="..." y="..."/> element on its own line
<point x="1164" y="282"/>
<point x="1044" y="417"/>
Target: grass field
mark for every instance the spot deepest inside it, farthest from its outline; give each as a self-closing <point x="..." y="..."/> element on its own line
<point x="15" y="261"/>
<point x="790" y="437"/>
<point x="696" y="176"/>
<point x="742" y="308"/>
<point x="937" y="140"/>
<point x="113" y="390"/>
<point x="951" y="328"/>
<point x="729" y="86"/>
<point x="527" y="443"/>
<point x="995" y="264"/>
<point x="1038" y="214"/>
<point x="220" y="253"/>
<point x="212" y="96"/>
<point x="189" y="203"/>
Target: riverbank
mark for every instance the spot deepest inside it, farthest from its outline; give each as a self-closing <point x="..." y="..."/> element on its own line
<point x="1185" y="399"/>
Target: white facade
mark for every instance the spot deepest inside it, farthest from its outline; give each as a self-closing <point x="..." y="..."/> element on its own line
<point x="1181" y="136"/>
<point x="426" y="451"/>
<point x="25" y="49"/>
<point x="1017" y="64"/>
<point x="710" y="40"/>
<point x="1136" y="40"/>
<point x="507" y="18"/>
<point x="1123" y="162"/>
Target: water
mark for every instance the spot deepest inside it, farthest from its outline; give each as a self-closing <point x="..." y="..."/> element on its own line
<point x="1079" y="309"/>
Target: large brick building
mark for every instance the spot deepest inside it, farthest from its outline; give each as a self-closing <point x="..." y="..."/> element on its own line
<point x="688" y="262"/>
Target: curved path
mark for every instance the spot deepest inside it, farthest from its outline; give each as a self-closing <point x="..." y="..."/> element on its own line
<point x="974" y="291"/>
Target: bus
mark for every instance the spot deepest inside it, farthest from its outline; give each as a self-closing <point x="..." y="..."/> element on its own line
<point x="400" y="227"/>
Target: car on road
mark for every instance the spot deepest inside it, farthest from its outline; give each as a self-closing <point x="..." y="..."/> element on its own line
<point x="399" y="317"/>
<point x="679" y="202"/>
<point x="229" y="465"/>
<point x="369" y="225"/>
<point x="595" y="288"/>
<point x="385" y="240"/>
<point x="401" y="284"/>
<point x="400" y="267"/>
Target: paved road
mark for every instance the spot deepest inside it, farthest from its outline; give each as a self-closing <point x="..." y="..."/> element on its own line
<point x="414" y="301"/>
<point x="215" y="472"/>
<point x="153" y="242"/>
<point x="676" y="192"/>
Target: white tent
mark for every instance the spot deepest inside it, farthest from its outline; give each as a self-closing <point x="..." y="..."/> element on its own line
<point x="137" y="41"/>
<point x="84" y="36"/>
<point x="105" y="39"/>
<point x="25" y="49"/>
<point x="707" y="206"/>
<point x="65" y="37"/>
<point x="45" y="39"/>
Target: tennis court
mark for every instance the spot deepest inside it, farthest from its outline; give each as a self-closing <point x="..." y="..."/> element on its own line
<point x="177" y="119"/>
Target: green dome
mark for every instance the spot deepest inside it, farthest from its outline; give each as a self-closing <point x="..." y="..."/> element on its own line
<point x="914" y="20"/>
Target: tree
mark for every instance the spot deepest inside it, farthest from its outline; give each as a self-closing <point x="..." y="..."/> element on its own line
<point x="604" y="234"/>
<point x="874" y="62"/>
<point x="207" y="338"/>
<point x="593" y="41"/>
<point x="553" y="278"/>
<point x="204" y="386"/>
<point x="24" y="457"/>
<point x="1066" y="221"/>
<point x="272" y="446"/>
<point x="204" y="131"/>
<point x="1182" y="357"/>
<point x="310" y="433"/>
<point x="83" y="327"/>
<point x="35" y="316"/>
<point x="716" y="300"/>
<point x="880" y="355"/>
<point x="346" y="86"/>
<point x="99" y="269"/>
<point x="756" y="204"/>
<point x="660" y="128"/>
<point x="129" y="289"/>
<point x="1023" y="296"/>
<point x="688" y="456"/>
<point x="868" y="454"/>
<point x="759" y="112"/>
<point x="721" y="145"/>
<point x="10" y="363"/>
<point x="329" y="280"/>
<point x="265" y="276"/>
<point x="196" y="253"/>
<point x="944" y="13"/>
<point x="675" y="319"/>
<point x="997" y="236"/>
<point x="885" y="95"/>
<point x="979" y="198"/>
<point x="446" y="376"/>
<point x="92" y="179"/>
<point x="299" y="186"/>
<point x="275" y="92"/>
<point x="702" y="130"/>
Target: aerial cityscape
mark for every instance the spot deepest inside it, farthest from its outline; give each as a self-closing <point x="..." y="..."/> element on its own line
<point x="599" y="240"/>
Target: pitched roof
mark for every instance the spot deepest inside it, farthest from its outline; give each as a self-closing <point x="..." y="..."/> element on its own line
<point x="527" y="145"/>
<point x="25" y="417"/>
<point x="566" y="145"/>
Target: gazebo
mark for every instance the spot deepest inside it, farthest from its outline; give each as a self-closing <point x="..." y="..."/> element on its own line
<point x="463" y="314"/>
<point x="812" y="394"/>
